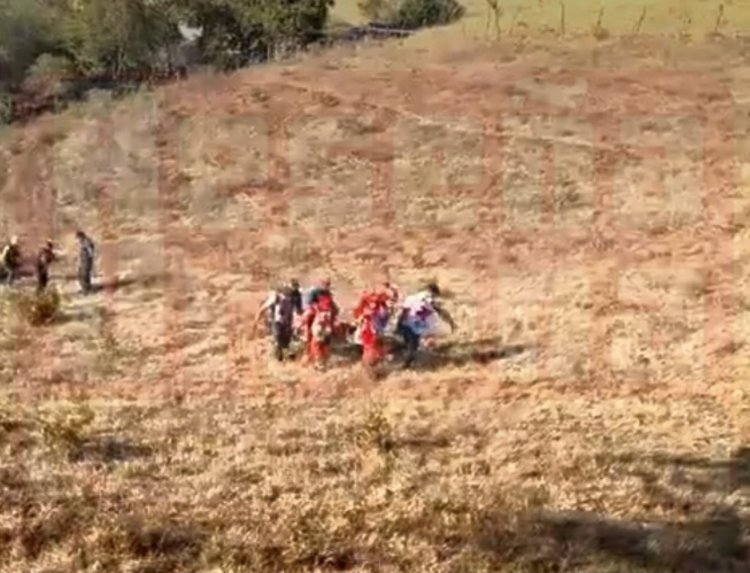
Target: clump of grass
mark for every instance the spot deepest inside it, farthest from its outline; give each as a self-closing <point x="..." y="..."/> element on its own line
<point x="36" y="309"/>
<point x="294" y="251"/>
<point x="358" y="126"/>
<point x="142" y="537"/>
<point x="53" y="133"/>
<point x="65" y="428"/>
<point x="51" y="526"/>
<point x="113" y="354"/>
<point x="331" y="496"/>
<point x="12" y="420"/>
<point x="599" y="32"/>
<point x="260" y="95"/>
<point x="375" y="431"/>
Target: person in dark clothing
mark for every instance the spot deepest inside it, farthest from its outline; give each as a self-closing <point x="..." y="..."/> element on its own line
<point x="412" y="341"/>
<point x="44" y="259"/>
<point x="280" y="306"/>
<point x="86" y="261"/>
<point x="11" y="261"/>
<point x="296" y="294"/>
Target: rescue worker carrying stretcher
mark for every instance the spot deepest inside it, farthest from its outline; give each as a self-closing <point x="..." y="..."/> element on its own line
<point x="373" y="313"/>
<point x="318" y="325"/>
<point x="280" y="306"/>
<point x="418" y="318"/>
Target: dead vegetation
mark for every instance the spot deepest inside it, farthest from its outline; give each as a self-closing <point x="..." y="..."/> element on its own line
<point x="355" y="487"/>
<point x="588" y="415"/>
<point x="33" y="309"/>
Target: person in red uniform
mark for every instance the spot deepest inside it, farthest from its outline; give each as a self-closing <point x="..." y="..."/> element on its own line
<point x="369" y="315"/>
<point x="373" y="314"/>
<point x="318" y="322"/>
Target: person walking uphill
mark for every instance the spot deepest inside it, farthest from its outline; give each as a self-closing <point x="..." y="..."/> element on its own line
<point x="372" y="315"/>
<point x="86" y="261"/>
<point x="296" y="296"/>
<point x="321" y="289"/>
<point x="418" y="318"/>
<point x="280" y="306"/>
<point x="319" y="323"/>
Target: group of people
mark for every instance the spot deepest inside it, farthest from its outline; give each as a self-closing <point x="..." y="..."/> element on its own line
<point x="11" y="260"/>
<point x="315" y="317"/>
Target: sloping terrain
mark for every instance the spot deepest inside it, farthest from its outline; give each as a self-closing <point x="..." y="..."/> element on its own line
<point x="592" y="216"/>
<point x="226" y="485"/>
<point x="583" y="205"/>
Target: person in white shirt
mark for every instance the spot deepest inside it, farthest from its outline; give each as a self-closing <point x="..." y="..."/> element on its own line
<point x="419" y="318"/>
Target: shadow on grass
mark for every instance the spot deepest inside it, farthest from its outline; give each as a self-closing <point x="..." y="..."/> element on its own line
<point x="110" y="449"/>
<point x="719" y="475"/>
<point x="710" y="535"/>
<point x="478" y="352"/>
<point x="145" y="280"/>
<point x="68" y="317"/>
<point x="473" y="352"/>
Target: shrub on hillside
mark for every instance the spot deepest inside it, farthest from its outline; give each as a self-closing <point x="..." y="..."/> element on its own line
<point x="65" y="429"/>
<point x="37" y="309"/>
<point x="117" y="37"/>
<point x="412" y="14"/>
<point x="46" y="43"/>
<point x="379" y="10"/>
<point x="235" y="32"/>
<point x="27" y="29"/>
<point x="6" y="107"/>
<point x="49" y="76"/>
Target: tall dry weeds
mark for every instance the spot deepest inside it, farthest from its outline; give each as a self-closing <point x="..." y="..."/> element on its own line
<point x="364" y="487"/>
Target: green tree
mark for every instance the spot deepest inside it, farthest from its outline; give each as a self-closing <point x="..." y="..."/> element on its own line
<point x="27" y="30"/>
<point x="49" y="77"/>
<point x="117" y="37"/>
<point x="235" y="32"/>
<point x="46" y="46"/>
<point x="412" y="14"/>
<point x="384" y="11"/>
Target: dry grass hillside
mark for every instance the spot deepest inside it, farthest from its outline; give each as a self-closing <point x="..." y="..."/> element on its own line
<point x="584" y="204"/>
